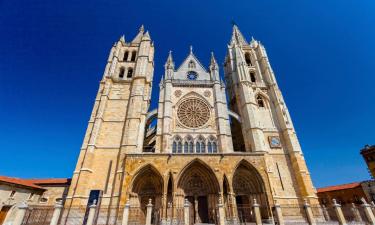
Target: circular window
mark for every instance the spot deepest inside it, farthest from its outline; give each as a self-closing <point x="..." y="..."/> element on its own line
<point x="192" y="75"/>
<point x="193" y="113"/>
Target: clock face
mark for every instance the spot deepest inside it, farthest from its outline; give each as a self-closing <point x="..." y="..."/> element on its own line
<point x="274" y="142"/>
<point x="192" y="75"/>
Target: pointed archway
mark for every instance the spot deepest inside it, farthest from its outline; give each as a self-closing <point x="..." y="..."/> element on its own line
<point x="147" y="184"/>
<point x="199" y="185"/>
<point x="248" y="187"/>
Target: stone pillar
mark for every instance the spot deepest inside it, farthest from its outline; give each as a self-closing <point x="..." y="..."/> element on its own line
<point x="125" y="214"/>
<point x="91" y="217"/>
<point x="186" y="212"/>
<point x="149" y="212"/>
<point x="356" y="214"/>
<point x="340" y="216"/>
<point x="309" y="214"/>
<point x="56" y="213"/>
<point x="20" y="213"/>
<point x="221" y="212"/>
<point x="325" y="213"/>
<point x="279" y="214"/>
<point x="373" y="207"/>
<point x="258" y="216"/>
<point x="368" y="212"/>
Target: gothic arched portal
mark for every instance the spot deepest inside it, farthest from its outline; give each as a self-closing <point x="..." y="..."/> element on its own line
<point x="199" y="185"/>
<point x="248" y="186"/>
<point x="147" y="184"/>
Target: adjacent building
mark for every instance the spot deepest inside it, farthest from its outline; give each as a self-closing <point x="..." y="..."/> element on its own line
<point x="41" y="192"/>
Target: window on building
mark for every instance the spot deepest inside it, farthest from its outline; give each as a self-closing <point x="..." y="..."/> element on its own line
<point x="12" y="193"/>
<point x="247" y="59"/>
<point x="134" y="54"/>
<point x="200" y="145"/>
<point x="188" y="145"/>
<point x="126" y="56"/>
<point x="191" y="64"/>
<point x="130" y="73"/>
<point x="252" y="77"/>
<point x="211" y="145"/>
<point x="260" y="101"/>
<point x="58" y="200"/>
<point x="177" y="145"/>
<point x="43" y="200"/>
<point x="122" y="72"/>
<point x="31" y="196"/>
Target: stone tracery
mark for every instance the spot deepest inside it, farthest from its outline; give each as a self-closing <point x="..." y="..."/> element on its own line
<point x="193" y="113"/>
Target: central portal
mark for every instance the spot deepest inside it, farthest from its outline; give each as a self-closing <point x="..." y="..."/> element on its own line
<point x="198" y="184"/>
<point x="198" y="209"/>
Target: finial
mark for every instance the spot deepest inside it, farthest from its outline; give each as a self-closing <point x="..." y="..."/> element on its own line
<point x="122" y="39"/>
<point x="191" y="49"/>
<point x="142" y="28"/>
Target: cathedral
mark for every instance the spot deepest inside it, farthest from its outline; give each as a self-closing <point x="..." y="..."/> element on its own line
<point x="210" y="141"/>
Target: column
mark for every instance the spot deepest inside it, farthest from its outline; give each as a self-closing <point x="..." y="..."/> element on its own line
<point x="125" y="214"/>
<point x="149" y="212"/>
<point x="186" y="212"/>
<point x="221" y="212"/>
<point x="20" y="213"/>
<point x="258" y="217"/>
<point x="279" y="214"/>
<point x="340" y="215"/>
<point x="197" y="218"/>
<point x="356" y="214"/>
<point x="91" y="217"/>
<point x="325" y="213"/>
<point x="56" y="214"/>
<point x="309" y="214"/>
<point x="369" y="214"/>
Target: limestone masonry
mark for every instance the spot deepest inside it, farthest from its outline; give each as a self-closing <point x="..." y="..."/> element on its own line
<point x="196" y="147"/>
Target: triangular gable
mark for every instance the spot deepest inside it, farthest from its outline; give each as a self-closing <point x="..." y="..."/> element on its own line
<point x="191" y="57"/>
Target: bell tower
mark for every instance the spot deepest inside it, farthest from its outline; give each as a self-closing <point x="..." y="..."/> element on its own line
<point x="117" y="123"/>
<point x="266" y="126"/>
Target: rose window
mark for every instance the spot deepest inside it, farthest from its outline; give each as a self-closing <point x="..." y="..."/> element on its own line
<point x="193" y="113"/>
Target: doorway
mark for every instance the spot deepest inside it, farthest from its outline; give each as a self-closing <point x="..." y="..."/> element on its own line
<point x="198" y="209"/>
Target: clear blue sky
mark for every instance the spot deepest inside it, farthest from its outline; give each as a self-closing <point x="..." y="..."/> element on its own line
<point x="53" y="53"/>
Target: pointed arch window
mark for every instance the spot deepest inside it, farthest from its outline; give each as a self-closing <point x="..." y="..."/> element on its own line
<point x="130" y="73"/>
<point x="177" y="145"/>
<point x="252" y="77"/>
<point x="126" y="56"/>
<point x="191" y="65"/>
<point x="211" y="145"/>
<point x="134" y="54"/>
<point x="121" y="73"/>
<point x="200" y="146"/>
<point x="188" y="145"/>
<point x="260" y="102"/>
<point x="248" y="59"/>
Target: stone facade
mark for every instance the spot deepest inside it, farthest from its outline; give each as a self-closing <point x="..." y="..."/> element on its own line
<point x="201" y="148"/>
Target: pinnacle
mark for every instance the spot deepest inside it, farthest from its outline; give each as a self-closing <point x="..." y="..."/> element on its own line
<point x="237" y="36"/>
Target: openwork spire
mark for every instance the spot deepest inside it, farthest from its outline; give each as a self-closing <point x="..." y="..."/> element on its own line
<point x="169" y="64"/>
<point x="237" y="36"/>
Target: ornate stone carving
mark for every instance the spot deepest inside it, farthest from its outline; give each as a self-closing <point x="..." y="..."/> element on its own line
<point x="178" y="93"/>
<point x="207" y="93"/>
<point x="193" y="113"/>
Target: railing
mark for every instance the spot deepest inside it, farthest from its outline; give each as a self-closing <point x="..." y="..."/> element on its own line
<point x="73" y="215"/>
<point x="190" y="83"/>
<point x="38" y="215"/>
<point x="332" y="214"/>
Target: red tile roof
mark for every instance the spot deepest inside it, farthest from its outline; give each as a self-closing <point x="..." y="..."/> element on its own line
<point x="50" y="181"/>
<point x="22" y="182"/>
<point x="339" y="187"/>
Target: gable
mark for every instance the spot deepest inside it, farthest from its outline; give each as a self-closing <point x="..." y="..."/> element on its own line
<point x="191" y="63"/>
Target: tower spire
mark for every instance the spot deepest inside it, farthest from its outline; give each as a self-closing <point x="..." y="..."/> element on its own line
<point x="237" y="36"/>
<point x="213" y="63"/>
